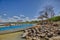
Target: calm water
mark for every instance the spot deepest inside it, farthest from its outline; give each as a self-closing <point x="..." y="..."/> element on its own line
<point x="16" y="27"/>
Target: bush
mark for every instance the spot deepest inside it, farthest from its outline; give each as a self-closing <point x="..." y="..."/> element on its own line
<point x="56" y="18"/>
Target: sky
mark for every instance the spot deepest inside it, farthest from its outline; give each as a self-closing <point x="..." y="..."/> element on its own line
<point x="12" y="10"/>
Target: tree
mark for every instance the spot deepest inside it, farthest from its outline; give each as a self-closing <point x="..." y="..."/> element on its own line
<point x="41" y="16"/>
<point x="48" y="12"/>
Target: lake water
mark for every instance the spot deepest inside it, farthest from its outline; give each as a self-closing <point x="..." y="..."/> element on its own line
<point x="23" y="26"/>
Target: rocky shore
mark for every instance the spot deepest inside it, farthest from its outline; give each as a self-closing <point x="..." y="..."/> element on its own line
<point x="37" y="32"/>
<point x="42" y="32"/>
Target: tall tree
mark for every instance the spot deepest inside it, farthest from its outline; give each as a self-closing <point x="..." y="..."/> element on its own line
<point x="48" y="12"/>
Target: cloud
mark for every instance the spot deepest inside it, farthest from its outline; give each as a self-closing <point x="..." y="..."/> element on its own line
<point x="16" y="17"/>
<point x="36" y="16"/>
<point x="0" y="17"/>
<point x="4" y="14"/>
<point x="27" y="18"/>
<point x="11" y="20"/>
<point x="35" y="19"/>
<point x="22" y="16"/>
<point x="57" y="15"/>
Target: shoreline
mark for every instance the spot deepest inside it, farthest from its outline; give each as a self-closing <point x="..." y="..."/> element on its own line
<point x="14" y="30"/>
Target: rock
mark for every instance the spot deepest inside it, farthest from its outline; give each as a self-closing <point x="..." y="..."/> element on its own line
<point x="55" y="38"/>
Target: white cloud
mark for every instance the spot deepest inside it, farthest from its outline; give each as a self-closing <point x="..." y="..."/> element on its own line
<point x="27" y="19"/>
<point x="22" y="16"/>
<point x="11" y="20"/>
<point x="35" y="16"/>
<point x="4" y="14"/>
<point x="57" y="15"/>
<point x="16" y="17"/>
<point x="35" y="19"/>
<point x="0" y="17"/>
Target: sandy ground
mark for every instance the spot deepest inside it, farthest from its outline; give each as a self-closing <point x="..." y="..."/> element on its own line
<point x="11" y="36"/>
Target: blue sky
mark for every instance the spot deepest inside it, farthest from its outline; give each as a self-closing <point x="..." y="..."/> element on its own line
<point x="26" y="8"/>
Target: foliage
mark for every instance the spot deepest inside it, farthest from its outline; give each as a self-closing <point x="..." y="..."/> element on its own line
<point x="56" y="18"/>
